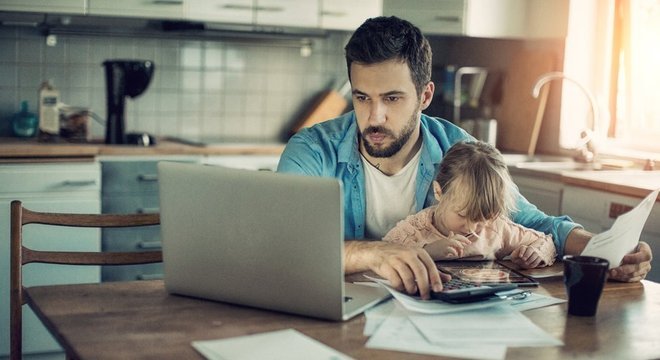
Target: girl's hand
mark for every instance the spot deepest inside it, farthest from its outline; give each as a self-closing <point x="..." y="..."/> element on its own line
<point x="527" y="257"/>
<point x="447" y="248"/>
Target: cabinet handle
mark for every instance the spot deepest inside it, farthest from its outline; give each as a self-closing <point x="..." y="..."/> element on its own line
<point x="333" y="13"/>
<point x="147" y="177"/>
<point x="149" y="245"/>
<point x="149" y="276"/>
<point x="152" y="210"/>
<point x="237" y="7"/>
<point x="447" y="18"/>
<point x="78" y="182"/>
<point x="269" y="8"/>
<point x="167" y="2"/>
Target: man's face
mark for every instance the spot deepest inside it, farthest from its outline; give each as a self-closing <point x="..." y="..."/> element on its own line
<point x="386" y="105"/>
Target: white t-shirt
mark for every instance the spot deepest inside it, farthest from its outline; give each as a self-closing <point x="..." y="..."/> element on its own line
<point x="389" y="198"/>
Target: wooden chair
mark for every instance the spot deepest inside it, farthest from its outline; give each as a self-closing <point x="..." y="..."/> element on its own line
<point x="21" y="255"/>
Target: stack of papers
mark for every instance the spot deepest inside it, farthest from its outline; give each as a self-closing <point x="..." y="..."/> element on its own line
<point x="435" y="328"/>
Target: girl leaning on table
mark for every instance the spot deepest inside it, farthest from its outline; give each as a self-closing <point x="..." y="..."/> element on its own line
<point x="475" y="196"/>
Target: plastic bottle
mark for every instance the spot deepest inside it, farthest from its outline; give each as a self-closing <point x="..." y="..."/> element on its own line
<point x="24" y="123"/>
<point x="49" y="117"/>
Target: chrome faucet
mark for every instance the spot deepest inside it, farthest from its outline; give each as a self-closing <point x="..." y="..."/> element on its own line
<point x="586" y="148"/>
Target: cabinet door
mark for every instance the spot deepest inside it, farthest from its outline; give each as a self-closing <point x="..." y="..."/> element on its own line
<point x="545" y="194"/>
<point x="445" y="17"/>
<point x="348" y="14"/>
<point x="45" y="6"/>
<point x="298" y="13"/>
<point x="225" y="11"/>
<point x="82" y="197"/>
<point x="159" y="9"/>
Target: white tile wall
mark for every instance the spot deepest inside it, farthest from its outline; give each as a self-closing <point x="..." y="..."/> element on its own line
<point x="217" y="88"/>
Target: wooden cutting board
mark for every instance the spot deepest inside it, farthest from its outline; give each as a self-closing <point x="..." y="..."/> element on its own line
<point x="519" y="115"/>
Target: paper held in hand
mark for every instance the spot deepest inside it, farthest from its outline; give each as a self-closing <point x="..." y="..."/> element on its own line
<point x="624" y="234"/>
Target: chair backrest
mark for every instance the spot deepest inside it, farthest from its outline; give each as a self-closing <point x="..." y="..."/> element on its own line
<point x="21" y="255"/>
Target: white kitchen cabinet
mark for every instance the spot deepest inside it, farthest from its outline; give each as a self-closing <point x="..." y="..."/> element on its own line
<point x="597" y="211"/>
<point x="223" y="11"/>
<point x="64" y="187"/>
<point x="545" y="194"/>
<point x="148" y="9"/>
<point x="348" y="14"/>
<point x="45" y="6"/>
<point x="296" y="13"/>
<point x="485" y="18"/>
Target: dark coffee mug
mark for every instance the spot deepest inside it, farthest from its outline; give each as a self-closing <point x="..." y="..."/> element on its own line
<point x="584" y="277"/>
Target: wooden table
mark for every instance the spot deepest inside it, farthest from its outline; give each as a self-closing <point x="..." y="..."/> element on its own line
<point x="141" y="320"/>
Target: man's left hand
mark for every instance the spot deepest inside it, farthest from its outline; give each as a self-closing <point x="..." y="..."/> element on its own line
<point x="634" y="266"/>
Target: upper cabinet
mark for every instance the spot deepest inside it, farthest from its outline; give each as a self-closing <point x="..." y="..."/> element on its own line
<point x="524" y="19"/>
<point x="297" y="13"/>
<point x="51" y="6"/>
<point x="154" y="9"/>
<point x="348" y="14"/>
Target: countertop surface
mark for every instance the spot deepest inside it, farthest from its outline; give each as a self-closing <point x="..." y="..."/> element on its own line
<point x="630" y="182"/>
<point x="19" y="150"/>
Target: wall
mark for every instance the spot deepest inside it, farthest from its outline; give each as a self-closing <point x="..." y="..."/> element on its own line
<point x="495" y="55"/>
<point x="246" y="90"/>
<point x="239" y="89"/>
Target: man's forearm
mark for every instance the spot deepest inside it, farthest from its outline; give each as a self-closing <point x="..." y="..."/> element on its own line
<point x="355" y="256"/>
<point x="576" y="241"/>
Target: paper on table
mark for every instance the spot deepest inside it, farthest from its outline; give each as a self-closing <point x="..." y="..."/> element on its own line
<point x="624" y="234"/>
<point x="500" y="325"/>
<point x="282" y="344"/>
<point x="433" y="306"/>
<point x="398" y="333"/>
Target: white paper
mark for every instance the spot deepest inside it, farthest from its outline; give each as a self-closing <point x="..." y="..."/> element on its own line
<point x="375" y="316"/>
<point x="433" y="306"/>
<point x="623" y="236"/>
<point x="398" y="333"/>
<point x="282" y="344"/>
<point x="501" y="325"/>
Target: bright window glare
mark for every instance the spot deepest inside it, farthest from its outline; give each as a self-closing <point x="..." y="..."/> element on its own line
<point x="588" y="58"/>
<point x="638" y="118"/>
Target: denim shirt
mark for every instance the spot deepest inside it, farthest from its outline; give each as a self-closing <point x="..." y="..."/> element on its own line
<point x="330" y="149"/>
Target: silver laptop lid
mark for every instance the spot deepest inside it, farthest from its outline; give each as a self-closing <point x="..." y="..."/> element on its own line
<point x="259" y="239"/>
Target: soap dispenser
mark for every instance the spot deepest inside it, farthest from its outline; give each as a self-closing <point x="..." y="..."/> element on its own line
<point x="24" y="123"/>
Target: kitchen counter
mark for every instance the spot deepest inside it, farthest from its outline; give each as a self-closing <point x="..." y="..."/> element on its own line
<point x="635" y="183"/>
<point x="630" y="182"/>
<point x="14" y="150"/>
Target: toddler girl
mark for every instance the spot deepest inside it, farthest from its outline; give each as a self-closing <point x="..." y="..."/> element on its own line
<point x="471" y="220"/>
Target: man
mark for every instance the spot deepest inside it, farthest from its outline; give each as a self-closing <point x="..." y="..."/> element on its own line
<point x="387" y="153"/>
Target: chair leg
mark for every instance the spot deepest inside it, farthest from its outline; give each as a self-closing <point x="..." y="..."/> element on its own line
<point x="16" y="329"/>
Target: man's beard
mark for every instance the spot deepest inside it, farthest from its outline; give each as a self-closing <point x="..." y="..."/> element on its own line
<point x="398" y="143"/>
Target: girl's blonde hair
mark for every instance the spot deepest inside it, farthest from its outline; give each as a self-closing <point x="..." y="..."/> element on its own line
<point x="475" y="175"/>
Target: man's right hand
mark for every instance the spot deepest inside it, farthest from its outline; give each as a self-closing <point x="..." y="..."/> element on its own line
<point x="407" y="269"/>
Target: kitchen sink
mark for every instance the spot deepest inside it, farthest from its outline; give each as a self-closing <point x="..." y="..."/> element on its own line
<point x="557" y="165"/>
<point x="550" y="163"/>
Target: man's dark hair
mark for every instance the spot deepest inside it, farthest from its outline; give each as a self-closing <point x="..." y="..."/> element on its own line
<point x="386" y="38"/>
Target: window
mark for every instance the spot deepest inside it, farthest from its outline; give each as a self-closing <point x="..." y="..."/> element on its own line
<point x="612" y="49"/>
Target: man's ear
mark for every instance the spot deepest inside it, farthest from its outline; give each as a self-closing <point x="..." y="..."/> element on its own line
<point x="427" y="95"/>
<point x="437" y="190"/>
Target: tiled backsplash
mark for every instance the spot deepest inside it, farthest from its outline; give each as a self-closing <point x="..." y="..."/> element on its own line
<point x="227" y="88"/>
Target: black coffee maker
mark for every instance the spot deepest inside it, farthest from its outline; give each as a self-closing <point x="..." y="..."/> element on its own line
<point x="124" y="78"/>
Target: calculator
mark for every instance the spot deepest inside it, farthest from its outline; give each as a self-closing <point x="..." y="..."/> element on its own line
<point x="461" y="291"/>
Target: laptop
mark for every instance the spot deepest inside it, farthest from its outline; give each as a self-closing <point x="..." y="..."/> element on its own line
<point x="256" y="238"/>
